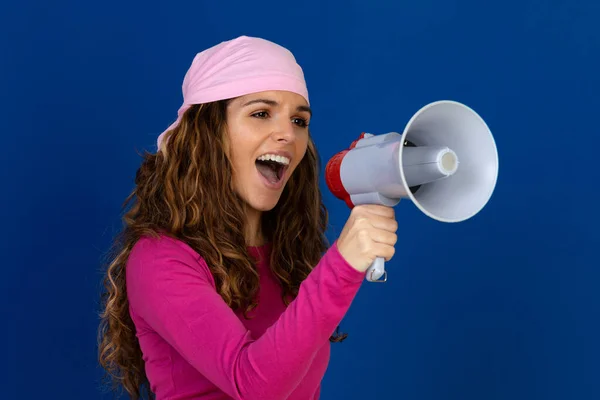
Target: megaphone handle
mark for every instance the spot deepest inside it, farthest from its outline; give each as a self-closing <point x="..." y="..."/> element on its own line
<point x="377" y="270"/>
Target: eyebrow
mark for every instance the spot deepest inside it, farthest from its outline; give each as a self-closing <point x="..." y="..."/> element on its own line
<point x="274" y="103"/>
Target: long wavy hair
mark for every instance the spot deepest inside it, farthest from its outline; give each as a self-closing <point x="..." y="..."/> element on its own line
<point x="185" y="191"/>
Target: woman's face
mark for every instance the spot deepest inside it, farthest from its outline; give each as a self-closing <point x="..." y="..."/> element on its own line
<point x="268" y="136"/>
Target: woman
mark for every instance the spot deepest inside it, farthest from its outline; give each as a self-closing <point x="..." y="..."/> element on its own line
<point x="223" y="285"/>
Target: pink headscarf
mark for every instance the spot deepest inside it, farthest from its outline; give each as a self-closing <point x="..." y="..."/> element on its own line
<point x="238" y="67"/>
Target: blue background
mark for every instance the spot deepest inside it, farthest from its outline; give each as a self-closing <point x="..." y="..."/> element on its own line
<point x="503" y="306"/>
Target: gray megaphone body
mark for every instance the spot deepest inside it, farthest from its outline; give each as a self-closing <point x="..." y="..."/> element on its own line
<point x="445" y="162"/>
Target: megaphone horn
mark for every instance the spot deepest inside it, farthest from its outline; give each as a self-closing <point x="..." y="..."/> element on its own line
<point x="445" y="162"/>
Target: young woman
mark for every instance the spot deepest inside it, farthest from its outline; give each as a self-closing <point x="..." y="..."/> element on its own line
<point x="222" y="284"/>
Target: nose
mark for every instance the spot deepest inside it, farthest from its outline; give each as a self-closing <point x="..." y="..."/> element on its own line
<point x="284" y="132"/>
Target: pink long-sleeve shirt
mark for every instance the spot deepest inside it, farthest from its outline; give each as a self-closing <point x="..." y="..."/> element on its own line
<point x="196" y="347"/>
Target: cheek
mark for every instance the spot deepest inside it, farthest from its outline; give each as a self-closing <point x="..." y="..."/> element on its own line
<point x="240" y="149"/>
<point x="244" y="140"/>
<point x="301" y="150"/>
<point x="302" y="147"/>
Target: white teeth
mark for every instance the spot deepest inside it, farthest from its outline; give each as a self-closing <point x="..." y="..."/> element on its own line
<point x="272" y="157"/>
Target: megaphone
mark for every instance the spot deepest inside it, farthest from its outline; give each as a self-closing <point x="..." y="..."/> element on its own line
<point x="445" y="162"/>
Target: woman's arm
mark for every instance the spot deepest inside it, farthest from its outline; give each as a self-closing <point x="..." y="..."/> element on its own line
<point x="174" y="294"/>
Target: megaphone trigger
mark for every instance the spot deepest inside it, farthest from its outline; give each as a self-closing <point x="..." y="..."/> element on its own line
<point x="377" y="270"/>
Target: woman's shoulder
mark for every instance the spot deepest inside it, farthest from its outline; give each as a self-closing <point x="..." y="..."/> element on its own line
<point x="161" y="244"/>
<point x="162" y="251"/>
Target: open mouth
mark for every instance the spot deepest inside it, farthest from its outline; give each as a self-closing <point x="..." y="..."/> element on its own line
<point x="272" y="167"/>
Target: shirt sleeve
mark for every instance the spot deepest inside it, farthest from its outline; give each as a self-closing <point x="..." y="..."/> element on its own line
<point x="175" y="295"/>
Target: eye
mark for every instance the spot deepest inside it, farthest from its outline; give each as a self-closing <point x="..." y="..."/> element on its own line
<point x="301" y="122"/>
<point x="260" y="114"/>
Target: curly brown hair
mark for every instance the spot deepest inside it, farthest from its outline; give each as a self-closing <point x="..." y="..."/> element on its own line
<point x="185" y="191"/>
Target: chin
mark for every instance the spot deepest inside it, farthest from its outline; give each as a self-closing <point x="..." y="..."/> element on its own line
<point x="264" y="205"/>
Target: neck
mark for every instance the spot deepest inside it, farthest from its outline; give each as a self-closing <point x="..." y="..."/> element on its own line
<point x="254" y="236"/>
